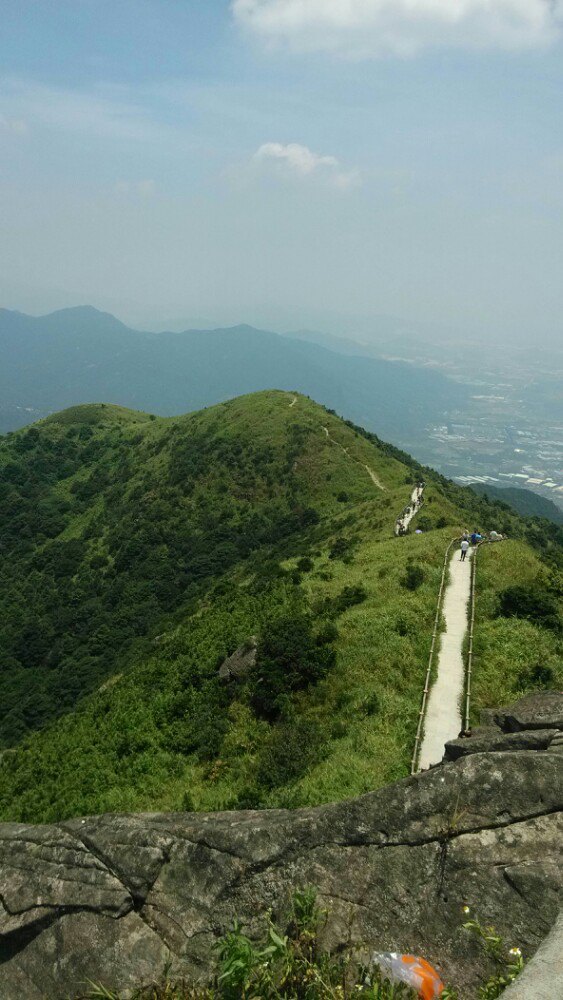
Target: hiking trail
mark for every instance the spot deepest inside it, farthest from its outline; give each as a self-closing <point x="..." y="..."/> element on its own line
<point x="443" y="717"/>
<point x="376" y="482"/>
<point x="416" y="501"/>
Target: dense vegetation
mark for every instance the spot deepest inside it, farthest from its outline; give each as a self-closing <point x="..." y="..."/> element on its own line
<point x="110" y="523"/>
<point x="139" y="553"/>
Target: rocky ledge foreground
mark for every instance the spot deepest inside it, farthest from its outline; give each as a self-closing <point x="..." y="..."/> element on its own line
<point x="115" y="899"/>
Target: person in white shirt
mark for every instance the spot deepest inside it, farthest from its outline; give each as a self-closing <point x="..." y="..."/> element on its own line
<point x="464" y="548"/>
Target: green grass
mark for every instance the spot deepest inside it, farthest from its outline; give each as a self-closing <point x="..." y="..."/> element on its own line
<point x="139" y="553"/>
<point x="508" y="649"/>
<point x="96" y="414"/>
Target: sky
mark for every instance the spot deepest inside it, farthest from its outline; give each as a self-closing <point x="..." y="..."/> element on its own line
<point x="287" y="163"/>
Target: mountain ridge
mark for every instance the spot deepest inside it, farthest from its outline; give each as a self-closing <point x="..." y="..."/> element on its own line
<point x="141" y="552"/>
<point x="87" y="356"/>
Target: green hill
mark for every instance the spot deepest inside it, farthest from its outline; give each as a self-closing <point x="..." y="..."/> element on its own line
<point x="81" y="355"/>
<point x="140" y="552"/>
<point x="526" y="502"/>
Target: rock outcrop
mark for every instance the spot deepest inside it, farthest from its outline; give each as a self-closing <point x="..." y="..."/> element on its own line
<point x="535" y="722"/>
<point x="241" y="662"/>
<point x="114" y="898"/>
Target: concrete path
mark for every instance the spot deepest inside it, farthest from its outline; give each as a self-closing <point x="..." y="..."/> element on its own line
<point x="443" y="719"/>
<point x="402" y="522"/>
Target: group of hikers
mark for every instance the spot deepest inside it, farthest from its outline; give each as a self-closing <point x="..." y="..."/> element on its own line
<point x="408" y="512"/>
<point x="474" y="539"/>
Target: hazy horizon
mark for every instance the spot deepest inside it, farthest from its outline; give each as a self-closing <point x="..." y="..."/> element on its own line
<point x="287" y="164"/>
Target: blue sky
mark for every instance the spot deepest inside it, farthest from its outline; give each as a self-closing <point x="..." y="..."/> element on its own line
<point x="288" y="163"/>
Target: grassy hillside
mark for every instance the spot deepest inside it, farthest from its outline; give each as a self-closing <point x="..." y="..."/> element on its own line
<point x="518" y="637"/>
<point x="140" y="552"/>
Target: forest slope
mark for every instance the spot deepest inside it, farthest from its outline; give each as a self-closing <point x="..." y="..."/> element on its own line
<point x="140" y="552"/>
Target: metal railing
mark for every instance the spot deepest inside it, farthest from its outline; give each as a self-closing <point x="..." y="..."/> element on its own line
<point x="469" y="664"/>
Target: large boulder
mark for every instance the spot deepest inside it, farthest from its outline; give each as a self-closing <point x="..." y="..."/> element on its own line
<point x="535" y="722"/>
<point x="539" y="710"/>
<point x="115" y="898"/>
<point x="491" y="740"/>
<point x="241" y="662"/>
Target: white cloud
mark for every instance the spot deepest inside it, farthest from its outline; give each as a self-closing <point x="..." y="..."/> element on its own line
<point x="302" y="161"/>
<point x="370" y="28"/>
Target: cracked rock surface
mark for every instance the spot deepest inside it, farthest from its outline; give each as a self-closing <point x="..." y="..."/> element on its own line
<point x="114" y="898"/>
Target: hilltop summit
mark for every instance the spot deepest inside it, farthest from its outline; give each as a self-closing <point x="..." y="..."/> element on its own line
<point x="139" y="553"/>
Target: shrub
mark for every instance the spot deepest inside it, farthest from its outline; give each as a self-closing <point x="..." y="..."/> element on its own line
<point x="348" y="597"/>
<point x="292" y="748"/>
<point x="413" y="577"/>
<point x="537" y="676"/>
<point x="290" y="657"/>
<point x="99" y="561"/>
<point x="328" y="632"/>
<point x="249" y="797"/>
<point x="425" y="523"/>
<point x="340" y="548"/>
<point x="305" y="564"/>
<point x="535" y="602"/>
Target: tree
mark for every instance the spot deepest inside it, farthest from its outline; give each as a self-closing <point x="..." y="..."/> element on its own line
<point x="289" y="658"/>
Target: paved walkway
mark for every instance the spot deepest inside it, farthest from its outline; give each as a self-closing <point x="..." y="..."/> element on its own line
<point x="443" y="720"/>
<point x="403" y="521"/>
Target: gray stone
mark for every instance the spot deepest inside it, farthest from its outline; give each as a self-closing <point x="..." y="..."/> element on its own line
<point x="539" y="710"/>
<point x="542" y="978"/>
<point x="110" y="898"/>
<point x="241" y="662"/>
<point x="492" y="740"/>
<point x="487" y="718"/>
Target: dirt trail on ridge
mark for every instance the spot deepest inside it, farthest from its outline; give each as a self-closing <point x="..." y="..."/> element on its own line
<point x="376" y="482"/>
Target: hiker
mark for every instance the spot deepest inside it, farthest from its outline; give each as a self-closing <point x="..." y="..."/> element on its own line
<point x="464" y="548"/>
<point x="475" y="537"/>
<point x="465" y="536"/>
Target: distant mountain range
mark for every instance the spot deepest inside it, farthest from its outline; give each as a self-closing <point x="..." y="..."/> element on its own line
<point x="81" y="355"/>
<point x="526" y="502"/>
